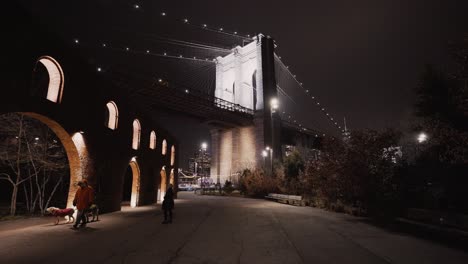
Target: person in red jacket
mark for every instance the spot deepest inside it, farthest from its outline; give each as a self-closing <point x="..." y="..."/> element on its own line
<point x="83" y="200"/>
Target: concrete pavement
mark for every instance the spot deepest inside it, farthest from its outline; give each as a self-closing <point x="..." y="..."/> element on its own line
<point x="220" y="230"/>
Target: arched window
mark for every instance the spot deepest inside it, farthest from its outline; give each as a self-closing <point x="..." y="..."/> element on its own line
<point x="164" y="147"/>
<point x="136" y="134"/>
<point x="172" y="155"/>
<point x="254" y="89"/>
<point x="113" y="115"/>
<point x="56" y="79"/>
<point x="152" y="140"/>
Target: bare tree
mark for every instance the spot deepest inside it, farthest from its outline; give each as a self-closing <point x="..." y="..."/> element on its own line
<point x="31" y="156"/>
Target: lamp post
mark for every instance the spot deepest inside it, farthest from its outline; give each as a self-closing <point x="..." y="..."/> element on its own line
<point x="274" y="105"/>
<point x="269" y="152"/>
<point x="264" y="155"/>
<point x="202" y="182"/>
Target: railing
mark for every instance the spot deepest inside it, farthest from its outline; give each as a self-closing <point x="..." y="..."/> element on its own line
<point x="223" y="104"/>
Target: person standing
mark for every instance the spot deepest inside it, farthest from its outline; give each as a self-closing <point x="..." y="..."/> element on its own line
<point x="168" y="205"/>
<point x="84" y="198"/>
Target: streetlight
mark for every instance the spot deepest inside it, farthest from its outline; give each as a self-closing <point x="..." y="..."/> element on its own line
<point x="274" y="105"/>
<point x="204" y="146"/>
<point x="264" y="155"/>
<point x="422" y="137"/>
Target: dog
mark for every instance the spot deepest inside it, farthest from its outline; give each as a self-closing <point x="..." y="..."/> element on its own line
<point x="93" y="211"/>
<point x="57" y="212"/>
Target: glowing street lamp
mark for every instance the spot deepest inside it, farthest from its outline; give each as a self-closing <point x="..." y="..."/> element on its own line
<point x="422" y="137"/>
<point x="204" y="146"/>
<point x="274" y="104"/>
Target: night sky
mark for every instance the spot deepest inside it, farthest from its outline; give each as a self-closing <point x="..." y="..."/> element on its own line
<point x="362" y="59"/>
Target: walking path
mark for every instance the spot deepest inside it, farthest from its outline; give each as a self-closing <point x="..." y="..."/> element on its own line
<point x="220" y="230"/>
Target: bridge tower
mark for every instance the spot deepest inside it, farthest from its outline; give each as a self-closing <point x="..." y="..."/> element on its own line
<point x="247" y="77"/>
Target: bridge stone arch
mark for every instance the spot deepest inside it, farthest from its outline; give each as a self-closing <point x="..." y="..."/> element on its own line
<point x="135" y="197"/>
<point x="56" y="78"/>
<point x="75" y="149"/>
<point x="80" y="118"/>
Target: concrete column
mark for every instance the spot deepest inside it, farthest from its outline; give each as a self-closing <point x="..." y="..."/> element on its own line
<point x="215" y="153"/>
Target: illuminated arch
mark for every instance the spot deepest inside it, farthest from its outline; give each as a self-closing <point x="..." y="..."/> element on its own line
<point x="172" y="177"/>
<point x="172" y="155"/>
<point x="152" y="140"/>
<point x="164" y="147"/>
<point x="163" y="186"/>
<point x="56" y="78"/>
<point x="134" y="200"/>
<point x="112" y="115"/>
<point x="136" y="134"/>
<point x="76" y="150"/>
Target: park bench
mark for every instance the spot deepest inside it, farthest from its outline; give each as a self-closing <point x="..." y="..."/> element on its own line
<point x="285" y="198"/>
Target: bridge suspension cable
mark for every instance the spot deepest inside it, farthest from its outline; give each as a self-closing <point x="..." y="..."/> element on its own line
<point x="202" y="26"/>
<point x="322" y="109"/>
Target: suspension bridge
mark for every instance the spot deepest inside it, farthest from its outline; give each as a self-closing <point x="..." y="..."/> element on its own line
<point x="229" y="85"/>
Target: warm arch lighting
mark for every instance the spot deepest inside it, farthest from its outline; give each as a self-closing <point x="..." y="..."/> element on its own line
<point x="136" y="134"/>
<point x="164" y="147"/>
<point x="172" y="155"/>
<point x="152" y="140"/>
<point x="56" y="78"/>
<point x="113" y="115"/>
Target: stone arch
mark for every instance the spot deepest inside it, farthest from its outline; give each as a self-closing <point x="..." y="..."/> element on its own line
<point x="172" y="155"/>
<point x="152" y="140"/>
<point x="56" y="78"/>
<point x="76" y="150"/>
<point x="112" y="115"/>
<point x="163" y="182"/>
<point x="164" y="147"/>
<point x="136" y="134"/>
<point x="135" y="199"/>
<point x="172" y="177"/>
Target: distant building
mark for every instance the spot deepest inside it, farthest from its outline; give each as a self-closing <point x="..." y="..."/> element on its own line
<point x="200" y="164"/>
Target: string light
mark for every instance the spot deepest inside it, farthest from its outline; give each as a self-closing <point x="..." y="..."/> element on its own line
<point x="163" y="14"/>
<point x="104" y="45"/>
<point x="136" y="6"/>
<point x="306" y="90"/>
<point x="77" y="41"/>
